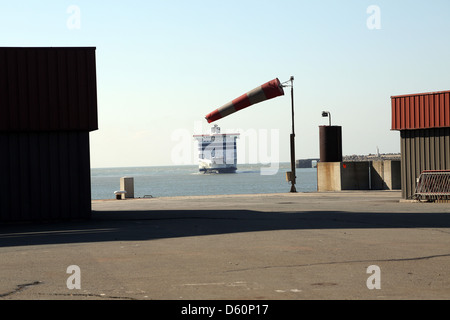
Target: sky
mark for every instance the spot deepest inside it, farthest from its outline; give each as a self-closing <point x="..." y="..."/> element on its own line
<point x="163" y="65"/>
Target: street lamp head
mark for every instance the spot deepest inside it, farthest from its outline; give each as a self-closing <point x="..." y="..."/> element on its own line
<point x="326" y="114"/>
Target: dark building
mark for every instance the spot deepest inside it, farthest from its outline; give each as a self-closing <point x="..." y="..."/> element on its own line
<point x="424" y="123"/>
<point x="48" y="106"/>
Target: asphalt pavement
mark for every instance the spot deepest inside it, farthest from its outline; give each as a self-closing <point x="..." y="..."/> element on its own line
<point x="356" y="245"/>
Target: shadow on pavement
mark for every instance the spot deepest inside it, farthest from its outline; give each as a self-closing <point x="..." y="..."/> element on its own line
<point x="149" y="225"/>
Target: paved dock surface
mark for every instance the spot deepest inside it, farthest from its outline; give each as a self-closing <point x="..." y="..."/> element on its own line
<point x="253" y="247"/>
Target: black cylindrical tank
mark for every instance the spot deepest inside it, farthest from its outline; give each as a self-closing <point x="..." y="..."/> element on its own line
<point x="330" y="143"/>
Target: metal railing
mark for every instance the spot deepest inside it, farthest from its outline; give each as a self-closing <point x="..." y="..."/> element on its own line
<point x="433" y="185"/>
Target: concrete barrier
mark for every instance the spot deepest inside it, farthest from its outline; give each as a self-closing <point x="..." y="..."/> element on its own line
<point x="358" y="175"/>
<point x="127" y="184"/>
<point x="329" y="176"/>
<point x="386" y="175"/>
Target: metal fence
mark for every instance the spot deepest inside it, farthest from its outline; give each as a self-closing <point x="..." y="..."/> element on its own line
<point x="433" y="185"/>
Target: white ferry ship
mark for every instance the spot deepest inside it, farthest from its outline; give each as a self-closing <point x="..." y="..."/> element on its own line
<point x="217" y="151"/>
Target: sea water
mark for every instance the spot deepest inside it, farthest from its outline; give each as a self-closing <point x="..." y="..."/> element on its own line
<point x="170" y="181"/>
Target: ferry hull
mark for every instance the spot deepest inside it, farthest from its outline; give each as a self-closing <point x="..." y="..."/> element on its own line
<point x="218" y="170"/>
<point x="217" y="152"/>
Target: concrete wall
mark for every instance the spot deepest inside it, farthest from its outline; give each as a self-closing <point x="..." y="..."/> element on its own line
<point x="355" y="175"/>
<point x="386" y="175"/>
<point x="363" y="175"/>
<point x="328" y="176"/>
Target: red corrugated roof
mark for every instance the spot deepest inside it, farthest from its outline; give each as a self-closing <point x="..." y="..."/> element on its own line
<point x="421" y="111"/>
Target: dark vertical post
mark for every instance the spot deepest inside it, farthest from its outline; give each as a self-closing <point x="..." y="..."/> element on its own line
<point x="294" y="178"/>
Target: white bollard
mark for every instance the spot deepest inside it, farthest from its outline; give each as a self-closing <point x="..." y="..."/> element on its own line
<point x="127" y="184"/>
<point x="120" y="195"/>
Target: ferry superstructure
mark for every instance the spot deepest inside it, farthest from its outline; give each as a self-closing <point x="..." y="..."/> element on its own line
<point x="217" y="151"/>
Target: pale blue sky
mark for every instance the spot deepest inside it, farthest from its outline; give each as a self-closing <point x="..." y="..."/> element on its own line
<point x="163" y="65"/>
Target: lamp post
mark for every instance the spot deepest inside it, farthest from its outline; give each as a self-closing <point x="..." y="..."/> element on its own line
<point x="292" y="175"/>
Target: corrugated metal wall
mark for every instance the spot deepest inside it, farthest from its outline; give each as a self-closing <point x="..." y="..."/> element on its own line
<point x="421" y="111"/>
<point x="424" y="123"/>
<point x="48" y="106"/>
<point x="427" y="149"/>
<point x="44" y="176"/>
<point x="48" y="89"/>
